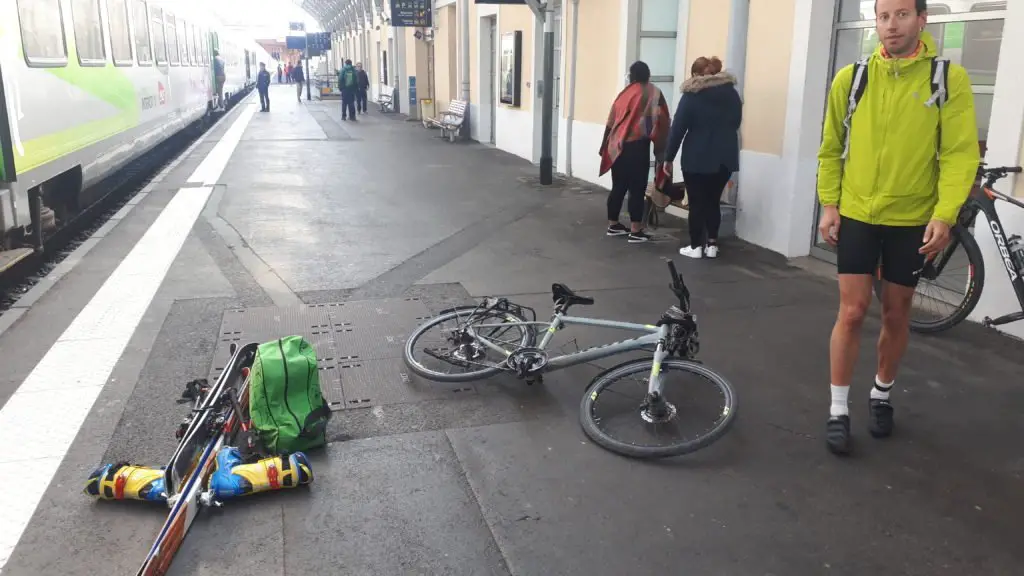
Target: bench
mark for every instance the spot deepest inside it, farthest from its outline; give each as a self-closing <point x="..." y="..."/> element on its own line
<point x="450" y="121"/>
<point x="385" y="98"/>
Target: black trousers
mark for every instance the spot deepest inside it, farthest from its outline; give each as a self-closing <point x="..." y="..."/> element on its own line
<point x="361" y="100"/>
<point x="704" y="189"/>
<point x="265" y="98"/>
<point x="630" y="173"/>
<point x="348" y="105"/>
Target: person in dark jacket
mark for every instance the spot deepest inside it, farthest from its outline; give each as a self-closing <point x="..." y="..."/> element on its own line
<point x="263" y="86"/>
<point x="300" y="78"/>
<point x="279" y="73"/>
<point x="706" y="124"/>
<point x="348" y="83"/>
<point x="364" y="88"/>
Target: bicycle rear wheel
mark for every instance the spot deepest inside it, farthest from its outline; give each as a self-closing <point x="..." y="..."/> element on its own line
<point x="598" y="424"/>
<point x="424" y="349"/>
<point x="944" y="299"/>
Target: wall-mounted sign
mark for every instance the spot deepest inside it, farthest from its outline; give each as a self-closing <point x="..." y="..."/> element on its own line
<point x="297" y="26"/>
<point x="511" y="67"/>
<point x="295" y="42"/>
<point x="412" y="13"/>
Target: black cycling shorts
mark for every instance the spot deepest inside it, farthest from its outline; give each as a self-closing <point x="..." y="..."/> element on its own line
<point x="863" y="246"/>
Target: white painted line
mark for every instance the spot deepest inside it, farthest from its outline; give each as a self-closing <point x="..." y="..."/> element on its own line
<point x="213" y="165"/>
<point x="40" y="421"/>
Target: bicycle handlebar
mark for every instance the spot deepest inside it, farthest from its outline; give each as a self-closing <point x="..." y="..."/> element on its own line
<point x="678" y="286"/>
<point x="997" y="172"/>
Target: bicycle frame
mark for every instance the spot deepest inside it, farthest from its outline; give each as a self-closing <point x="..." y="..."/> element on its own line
<point x="986" y="203"/>
<point x="655" y="335"/>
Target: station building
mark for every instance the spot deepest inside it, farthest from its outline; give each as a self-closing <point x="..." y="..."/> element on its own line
<point x="785" y="53"/>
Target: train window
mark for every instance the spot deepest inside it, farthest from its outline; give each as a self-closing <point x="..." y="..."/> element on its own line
<point x="197" y="56"/>
<point x="205" y="46"/>
<point x="143" y="50"/>
<point x="159" y="45"/>
<point x="120" y="36"/>
<point x="88" y="32"/>
<point x="42" y="32"/>
<point x="183" y="42"/>
<point x="172" y="40"/>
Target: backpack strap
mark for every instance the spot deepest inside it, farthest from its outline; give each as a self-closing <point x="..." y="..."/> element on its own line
<point x="940" y="82"/>
<point x="857" y="87"/>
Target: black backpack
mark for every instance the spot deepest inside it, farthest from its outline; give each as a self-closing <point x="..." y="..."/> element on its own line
<point x="939" y="82"/>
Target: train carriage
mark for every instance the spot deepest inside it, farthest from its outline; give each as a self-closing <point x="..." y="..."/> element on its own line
<point x="90" y="85"/>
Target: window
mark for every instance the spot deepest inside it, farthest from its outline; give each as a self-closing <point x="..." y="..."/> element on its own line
<point x="172" y="40"/>
<point x="854" y="10"/>
<point x="159" y="45"/>
<point x="186" y="60"/>
<point x="42" y="33"/>
<point x="197" y="54"/>
<point x="966" y="32"/>
<point x="88" y="32"/>
<point x="120" y="36"/>
<point x="143" y="51"/>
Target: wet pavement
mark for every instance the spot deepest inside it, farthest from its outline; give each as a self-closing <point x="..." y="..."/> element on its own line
<point x="311" y="210"/>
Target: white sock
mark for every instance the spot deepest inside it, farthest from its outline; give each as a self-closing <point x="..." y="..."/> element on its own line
<point x="880" y="391"/>
<point x="839" y="400"/>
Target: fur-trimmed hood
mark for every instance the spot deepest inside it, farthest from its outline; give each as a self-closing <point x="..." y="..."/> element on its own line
<point x="698" y="83"/>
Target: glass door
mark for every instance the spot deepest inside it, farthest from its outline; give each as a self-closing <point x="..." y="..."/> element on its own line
<point x="967" y="33"/>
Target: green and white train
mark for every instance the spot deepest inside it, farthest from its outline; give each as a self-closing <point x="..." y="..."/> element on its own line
<point x="89" y="85"/>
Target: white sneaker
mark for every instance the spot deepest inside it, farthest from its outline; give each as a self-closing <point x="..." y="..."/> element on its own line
<point x="692" y="252"/>
<point x="711" y="251"/>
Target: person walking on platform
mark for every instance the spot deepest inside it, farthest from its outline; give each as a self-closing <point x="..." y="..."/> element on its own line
<point x="639" y="116"/>
<point x="348" y="83"/>
<point x="706" y="125"/>
<point x="263" y="86"/>
<point x="364" y="88"/>
<point x="218" y="77"/>
<point x="299" y="78"/>
<point x="278" y="72"/>
<point x="898" y="158"/>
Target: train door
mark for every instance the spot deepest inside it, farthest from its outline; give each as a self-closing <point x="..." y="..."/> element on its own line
<point x="248" y="68"/>
<point x="7" y="172"/>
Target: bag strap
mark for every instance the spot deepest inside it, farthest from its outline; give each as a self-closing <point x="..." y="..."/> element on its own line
<point x="857" y="87"/>
<point x="940" y="82"/>
<point x="315" y="422"/>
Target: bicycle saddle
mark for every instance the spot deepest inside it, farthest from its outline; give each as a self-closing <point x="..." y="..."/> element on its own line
<point x="562" y="293"/>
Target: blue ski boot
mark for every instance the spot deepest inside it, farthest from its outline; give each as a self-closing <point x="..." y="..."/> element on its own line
<point x="232" y="479"/>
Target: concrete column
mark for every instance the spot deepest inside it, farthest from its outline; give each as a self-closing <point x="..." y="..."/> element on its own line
<point x="463" y="7"/>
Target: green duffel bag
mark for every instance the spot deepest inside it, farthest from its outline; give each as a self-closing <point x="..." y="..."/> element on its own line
<point x="288" y="411"/>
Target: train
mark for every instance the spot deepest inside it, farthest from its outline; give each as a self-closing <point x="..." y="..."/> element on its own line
<point x="88" y="86"/>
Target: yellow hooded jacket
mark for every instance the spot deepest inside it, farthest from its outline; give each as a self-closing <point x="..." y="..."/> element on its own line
<point x="891" y="175"/>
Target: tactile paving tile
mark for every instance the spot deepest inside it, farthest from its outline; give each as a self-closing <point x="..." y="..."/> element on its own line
<point x="388" y="381"/>
<point x="359" y="348"/>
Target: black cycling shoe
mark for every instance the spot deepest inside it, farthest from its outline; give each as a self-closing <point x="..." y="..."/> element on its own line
<point x="880" y="421"/>
<point x="837" y="434"/>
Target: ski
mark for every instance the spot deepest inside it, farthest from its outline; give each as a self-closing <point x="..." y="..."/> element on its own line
<point x="217" y="416"/>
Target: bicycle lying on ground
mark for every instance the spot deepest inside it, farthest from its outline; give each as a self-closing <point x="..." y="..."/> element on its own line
<point x="941" y="285"/>
<point x="484" y="329"/>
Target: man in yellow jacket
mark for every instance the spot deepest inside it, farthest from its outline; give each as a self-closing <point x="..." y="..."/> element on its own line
<point x="891" y="179"/>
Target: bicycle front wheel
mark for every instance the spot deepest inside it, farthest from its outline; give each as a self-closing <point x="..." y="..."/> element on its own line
<point x="614" y="415"/>
<point x="433" y="351"/>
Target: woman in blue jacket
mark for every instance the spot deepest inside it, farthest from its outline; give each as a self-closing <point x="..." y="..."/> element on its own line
<point x="706" y="124"/>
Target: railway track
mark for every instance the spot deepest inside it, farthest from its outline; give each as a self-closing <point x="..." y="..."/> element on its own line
<point x="114" y="193"/>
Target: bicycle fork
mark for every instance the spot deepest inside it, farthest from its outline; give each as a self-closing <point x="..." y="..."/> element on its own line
<point x="655" y="408"/>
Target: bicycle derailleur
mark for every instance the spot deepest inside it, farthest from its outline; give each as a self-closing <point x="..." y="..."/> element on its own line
<point x="527" y="364"/>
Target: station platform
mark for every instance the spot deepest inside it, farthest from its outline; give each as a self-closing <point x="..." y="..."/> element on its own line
<point x="295" y="215"/>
